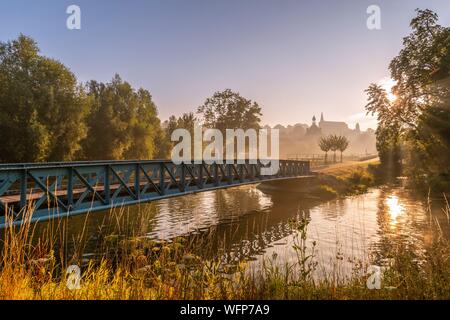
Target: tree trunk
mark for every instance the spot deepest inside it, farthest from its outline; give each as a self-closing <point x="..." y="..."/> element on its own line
<point x="341" y="156"/>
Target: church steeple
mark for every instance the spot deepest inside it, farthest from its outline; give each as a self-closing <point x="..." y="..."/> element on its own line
<point x="314" y="129"/>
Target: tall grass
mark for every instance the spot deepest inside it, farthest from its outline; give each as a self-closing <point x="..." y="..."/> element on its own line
<point x="129" y="266"/>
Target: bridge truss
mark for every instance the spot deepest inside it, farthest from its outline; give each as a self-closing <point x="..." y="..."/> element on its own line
<point x="53" y="190"/>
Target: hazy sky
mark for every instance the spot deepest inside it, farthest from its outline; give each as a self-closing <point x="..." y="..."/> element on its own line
<point x="296" y="58"/>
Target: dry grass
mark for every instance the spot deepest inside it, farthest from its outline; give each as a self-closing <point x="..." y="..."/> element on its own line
<point x="132" y="267"/>
<point x="346" y="168"/>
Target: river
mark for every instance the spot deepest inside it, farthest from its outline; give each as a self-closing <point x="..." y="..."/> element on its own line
<point x="247" y="223"/>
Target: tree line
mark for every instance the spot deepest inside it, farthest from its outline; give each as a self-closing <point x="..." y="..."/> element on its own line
<point x="413" y="135"/>
<point x="47" y="115"/>
<point x="333" y="143"/>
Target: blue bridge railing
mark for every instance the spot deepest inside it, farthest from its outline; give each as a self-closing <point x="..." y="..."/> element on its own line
<point x="53" y="190"/>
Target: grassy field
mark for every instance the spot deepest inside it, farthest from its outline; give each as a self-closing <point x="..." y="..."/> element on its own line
<point x="133" y="267"/>
<point x="343" y="169"/>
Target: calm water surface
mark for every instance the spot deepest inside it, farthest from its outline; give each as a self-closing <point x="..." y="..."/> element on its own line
<point x="247" y="223"/>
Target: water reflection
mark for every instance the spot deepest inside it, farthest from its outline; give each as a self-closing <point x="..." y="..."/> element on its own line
<point x="246" y="223"/>
<point x="395" y="209"/>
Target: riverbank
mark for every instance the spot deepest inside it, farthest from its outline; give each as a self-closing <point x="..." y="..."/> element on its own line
<point x="138" y="269"/>
<point x="334" y="180"/>
<point x="134" y="267"/>
<point x="350" y="178"/>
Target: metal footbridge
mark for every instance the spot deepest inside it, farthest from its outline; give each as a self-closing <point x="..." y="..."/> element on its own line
<point x="55" y="190"/>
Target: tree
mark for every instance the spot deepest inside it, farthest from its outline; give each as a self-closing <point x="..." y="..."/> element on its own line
<point x="407" y="129"/>
<point x="122" y="122"/>
<point x="342" y="144"/>
<point x="429" y="148"/>
<point x="162" y="144"/>
<point x="334" y="142"/>
<point x="424" y="57"/>
<point x="325" y="146"/>
<point x="389" y="131"/>
<point x="186" y="121"/>
<point x="229" y="110"/>
<point x="41" y="106"/>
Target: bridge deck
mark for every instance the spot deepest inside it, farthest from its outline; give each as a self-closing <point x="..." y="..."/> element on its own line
<point x="65" y="189"/>
<point x="11" y="199"/>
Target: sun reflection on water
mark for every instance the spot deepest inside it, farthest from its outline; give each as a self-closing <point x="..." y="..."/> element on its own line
<point x="395" y="208"/>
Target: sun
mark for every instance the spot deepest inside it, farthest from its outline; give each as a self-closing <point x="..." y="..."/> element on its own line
<point x="387" y="84"/>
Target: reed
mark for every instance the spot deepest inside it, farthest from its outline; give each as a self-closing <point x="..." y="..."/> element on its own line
<point x="129" y="266"/>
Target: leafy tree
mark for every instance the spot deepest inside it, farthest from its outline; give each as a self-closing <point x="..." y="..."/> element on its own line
<point x="162" y="144"/>
<point x="325" y="146"/>
<point x="389" y="130"/>
<point x="186" y="121"/>
<point x="429" y="148"/>
<point x="334" y="142"/>
<point x="229" y="110"/>
<point x="122" y="122"/>
<point x="410" y="129"/>
<point x="342" y="144"/>
<point x="41" y="106"/>
<point x="424" y="57"/>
